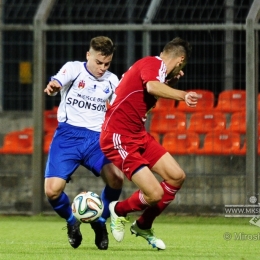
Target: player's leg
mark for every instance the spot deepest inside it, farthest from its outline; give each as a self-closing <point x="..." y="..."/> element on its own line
<point x="54" y="187"/>
<point x="127" y="155"/>
<point x="150" y="192"/>
<point x="113" y="178"/>
<point x="100" y="165"/>
<point x="135" y="166"/>
<point x="61" y="205"/>
<point x="173" y="178"/>
<point x="59" y="168"/>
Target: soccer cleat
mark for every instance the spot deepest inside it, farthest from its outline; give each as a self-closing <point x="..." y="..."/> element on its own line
<point x="148" y="234"/>
<point x="74" y="234"/>
<point x="117" y="224"/>
<point x="101" y="239"/>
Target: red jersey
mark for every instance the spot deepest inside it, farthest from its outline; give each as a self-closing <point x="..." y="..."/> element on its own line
<point x="128" y="112"/>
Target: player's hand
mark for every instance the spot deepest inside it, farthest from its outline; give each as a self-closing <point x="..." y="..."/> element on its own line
<point x="191" y="99"/>
<point x="52" y="87"/>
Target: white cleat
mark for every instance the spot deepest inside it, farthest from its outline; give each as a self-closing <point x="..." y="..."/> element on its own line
<point x="117" y="224"/>
<point x="148" y="235"/>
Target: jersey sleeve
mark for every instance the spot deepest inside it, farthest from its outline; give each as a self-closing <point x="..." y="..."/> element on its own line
<point x="153" y="69"/>
<point x="67" y="73"/>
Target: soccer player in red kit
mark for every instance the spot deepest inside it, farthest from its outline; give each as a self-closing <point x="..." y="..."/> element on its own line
<point x="133" y="150"/>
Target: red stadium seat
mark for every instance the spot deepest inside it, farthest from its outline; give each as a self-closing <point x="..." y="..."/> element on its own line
<point x="230" y="101"/>
<point x="238" y="122"/>
<point x="204" y="122"/>
<point x="181" y="142"/>
<point x="50" y="120"/>
<point x="28" y="130"/>
<point x="205" y="102"/>
<point x="164" y="105"/>
<point x="258" y="102"/>
<point x="168" y="122"/>
<point x="243" y="149"/>
<point x="221" y="143"/>
<point x="17" y="142"/>
<point x="47" y="141"/>
<point x="55" y="108"/>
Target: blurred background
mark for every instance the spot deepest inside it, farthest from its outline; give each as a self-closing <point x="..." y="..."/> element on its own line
<point x="38" y="37"/>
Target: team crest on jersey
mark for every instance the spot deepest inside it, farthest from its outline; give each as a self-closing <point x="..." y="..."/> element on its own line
<point x="64" y="72"/>
<point x="92" y="89"/>
<point x="106" y="90"/>
<point x="81" y="84"/>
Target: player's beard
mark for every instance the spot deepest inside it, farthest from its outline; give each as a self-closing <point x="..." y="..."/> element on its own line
<point x="175" y="72"/>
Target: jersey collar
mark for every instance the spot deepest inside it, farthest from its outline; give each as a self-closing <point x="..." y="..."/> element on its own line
<point x="98" y="79"/>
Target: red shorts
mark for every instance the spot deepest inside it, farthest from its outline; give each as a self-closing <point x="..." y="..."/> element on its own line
<point x="130" y="153"/>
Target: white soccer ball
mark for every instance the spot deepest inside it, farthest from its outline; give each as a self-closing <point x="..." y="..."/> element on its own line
<point x="87" y="206"/>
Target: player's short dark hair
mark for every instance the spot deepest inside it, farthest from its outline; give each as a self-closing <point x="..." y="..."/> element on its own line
<point x="103" y="44"/>
<point x="178" y="47"/>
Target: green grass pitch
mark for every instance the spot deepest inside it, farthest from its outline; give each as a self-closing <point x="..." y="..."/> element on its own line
<point x="186" y="237"/>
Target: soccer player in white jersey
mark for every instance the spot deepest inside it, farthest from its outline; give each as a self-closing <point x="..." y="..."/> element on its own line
<point x="85" y="87"/>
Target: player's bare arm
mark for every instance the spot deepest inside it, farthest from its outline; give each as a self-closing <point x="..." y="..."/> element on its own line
<point x="52" y="88"/>
<point x="159" y="89"/>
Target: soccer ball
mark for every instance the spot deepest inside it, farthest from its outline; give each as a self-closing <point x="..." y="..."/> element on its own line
<point x="87" y="206"/>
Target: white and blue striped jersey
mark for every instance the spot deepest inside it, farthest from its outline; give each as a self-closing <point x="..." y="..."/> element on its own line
<point x="83" y="96"/>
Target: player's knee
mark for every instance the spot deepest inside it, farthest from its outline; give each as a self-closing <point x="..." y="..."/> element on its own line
<point x="116" y="182"/>
<point x="51" y="194"/>
<point x="114" y="179"/>
<point x="179" y="176"/>
<point x="155" y="196"/>
<point x="53" y="187"/>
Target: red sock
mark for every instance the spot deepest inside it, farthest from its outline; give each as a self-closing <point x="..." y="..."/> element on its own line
<point x="146" y="219"/>
<point x="135" y="202"/>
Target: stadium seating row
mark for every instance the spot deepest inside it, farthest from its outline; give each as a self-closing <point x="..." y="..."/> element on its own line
<point x="21" y="142"/>
<point x="177" y="142"/>
<point x="167" y="117"/>
<point x="50" y="120"/>
<point x="215" y="143"/>
<point x="199" y="122"/>
<point x="228" y="101"/>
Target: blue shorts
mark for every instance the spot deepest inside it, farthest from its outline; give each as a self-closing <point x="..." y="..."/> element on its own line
<point x="73" y="146"/>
